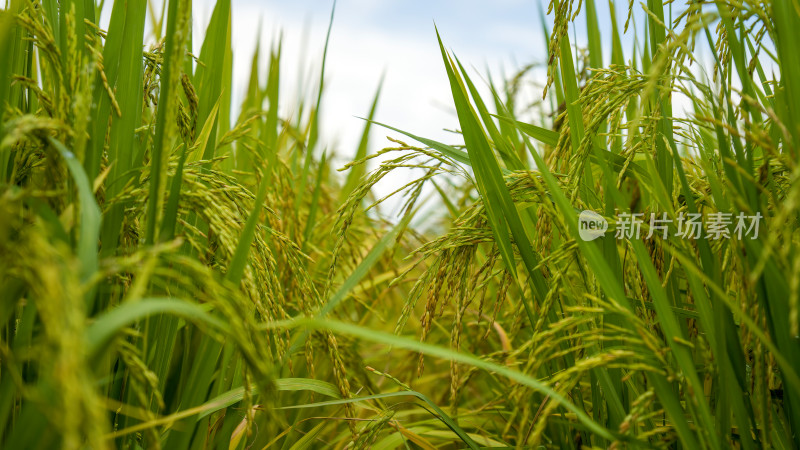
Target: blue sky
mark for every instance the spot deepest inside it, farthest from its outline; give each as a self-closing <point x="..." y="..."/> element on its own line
<point x="398" y="38"/>
<point x="370" y="38"/>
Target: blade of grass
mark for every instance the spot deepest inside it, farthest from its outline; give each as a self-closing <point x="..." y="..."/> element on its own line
<point x="444" y="353"/>
<point x="500" y="209"/>
<point x="447" y="150"/>
<point x="165" y="115"/>
<point x="122" y="136"/>
<point x="208" y="77"/>
<point x="357" y="172"/>
<point x="7" y="30"/>
<point x="613" y="290"/>
<point x="314" y="207"/>
<point x="103" y="329"/>
<point x="90" y="217"/>
<point x="441" y="415"/>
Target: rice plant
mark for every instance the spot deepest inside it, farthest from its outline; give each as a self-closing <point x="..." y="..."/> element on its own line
<point x="615" y="273"/>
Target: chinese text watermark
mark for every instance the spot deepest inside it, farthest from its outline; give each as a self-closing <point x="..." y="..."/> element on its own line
<point x="718" y="225"/>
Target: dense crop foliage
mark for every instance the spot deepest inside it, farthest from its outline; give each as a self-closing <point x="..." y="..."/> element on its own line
<point x="174" y="279"/>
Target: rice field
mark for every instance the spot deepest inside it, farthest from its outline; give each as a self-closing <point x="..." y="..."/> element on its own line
<point x="182" y="272"/>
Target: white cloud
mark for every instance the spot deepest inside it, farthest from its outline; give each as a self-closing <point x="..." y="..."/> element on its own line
<point x="369" y="38"/>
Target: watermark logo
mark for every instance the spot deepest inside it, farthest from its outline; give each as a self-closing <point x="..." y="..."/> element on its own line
<point x="716" y="226"/>
<point x="591" y="225"/>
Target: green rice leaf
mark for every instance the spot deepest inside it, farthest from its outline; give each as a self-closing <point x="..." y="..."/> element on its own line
<point x="103" y="329"/>
<point x="90" y="218"/>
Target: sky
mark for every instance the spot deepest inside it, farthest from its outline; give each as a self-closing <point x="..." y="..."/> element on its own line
<point x="371" y="39"/>
<point x="396" y="40"/>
